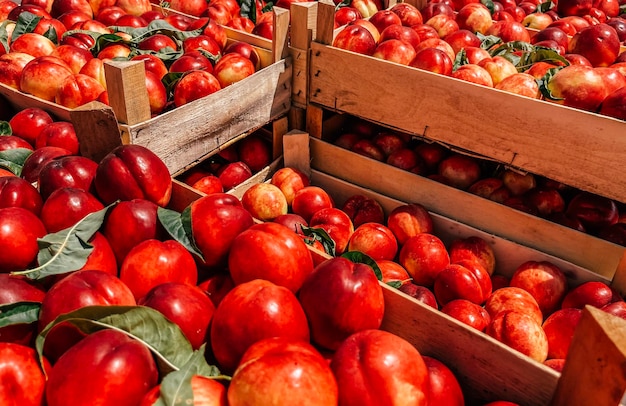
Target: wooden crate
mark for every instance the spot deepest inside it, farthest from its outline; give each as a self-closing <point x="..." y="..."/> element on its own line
<point x="487" y="369"/>
<point x="600" y="256"/>
<point x="273" y="133"/>
<point x="581" y="149"/>
<point x="184" y="135"/>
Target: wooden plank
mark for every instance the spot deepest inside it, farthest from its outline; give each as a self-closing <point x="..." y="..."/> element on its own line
<point x="509" y="254"/>
<point x="21" y="101"/>
<point x="297" y="118"/>
<point x="589" y="252"/>
<point x="128" y="95"/>
<point x="296" y="151"/>
<point x="325" y="22"/>
<point x="594" y="371"/>
<point x="314" y="121"/>
<point x="304" y="19"/>
<point x="486" y="369"/>
<point x="184" y="135"/>
<point x="280" y="35"/>
<point x="279" y="129"/>
<point x="581" y="149"/>
<point x="304" y="23"/>
<point x="97" y="130"/>
<point x="182" y="196"/>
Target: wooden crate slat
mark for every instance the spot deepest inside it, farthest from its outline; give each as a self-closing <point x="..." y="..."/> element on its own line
<point x="581" y="149"/>
<point x="592" y="253"/>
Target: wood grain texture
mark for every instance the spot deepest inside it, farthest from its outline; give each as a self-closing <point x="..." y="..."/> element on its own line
<point x="296" y="152"/>
<point x="304" y="19"/>
<point x="595" y="369"/>
<point x="21" y="101"/>
<point x="128" y="95"/>
<point x="586" y="251"/>
<point x="581" y="149"/>
<point x="280" y="37"/>
<point x="97" y="130"/>
<point x="184" y="135"/>
<point x="182" y="196"/>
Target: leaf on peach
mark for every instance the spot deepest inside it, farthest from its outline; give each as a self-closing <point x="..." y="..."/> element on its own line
<point x="13" y="159"/>
<point x="164" y="338"/>
<point x="176" y="386"/>
<point x="360" y="258"/>
<point x="26" y="22"/>
<point x="67" y="250"/>
<point x="19" y="313"/>
<point x="178" y="226"/>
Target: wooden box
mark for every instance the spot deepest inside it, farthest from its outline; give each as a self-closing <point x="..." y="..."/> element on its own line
<point x="487" y="369"/>
<point x="581" y="149"/>
<point x="273" y="133"/>
<point x="600" y="256"/>
<point x="184" y="135"/>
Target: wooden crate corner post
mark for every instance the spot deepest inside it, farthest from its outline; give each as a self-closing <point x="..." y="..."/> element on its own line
<point x="296" y="151"/>
<point x="325" y="22"/>
<point x="303" y="26"/>
<point x="128" y="95"/>
<point x="595" y="369"/>
<point x="281" y="33"/>
<point x="97" y="130"/>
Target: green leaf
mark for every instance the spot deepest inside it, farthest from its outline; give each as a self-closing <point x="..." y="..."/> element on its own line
<point x="176" y="386"/>
<point x="544" y="84"/>
<point x="4" y="36"/>
<point x="545" y="6"/>
<point x="395" y="284"/>
<point x="170" y="80"/>
<point x="156" y="27"/>
<point x="360" y="258"/>
<point x="319" y="234"/>
<point x="489" y="4"/>
<point x="178" y="225"/>
<point x="13" y="159"/>
<point x="167" y="54"/>
<point x="164" y="338"/>
<point x="67" y="250"/>
<point x="460" y="59"/>
<point x="19" y="313"/>
<point x="488" y="41"/>
<point x="248" y="9"/>
<point x="210" y="56"/>
<point x="104" y="40"/>
<point x="51" y="34"/>
<point x="512" y="46"/>
<point x="5" y="128"/>
<point x="343" y="3"/>
<point x="26" y="22"/>
<point x="269" y="6"/>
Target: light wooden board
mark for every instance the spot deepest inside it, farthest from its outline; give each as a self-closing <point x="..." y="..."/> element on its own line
<point x="595" y="369"/>
<point x="584" y="150"/>
<point x="589" y="252"/>
<point x="21" y="101"/>
<point x="186" y="134"/>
